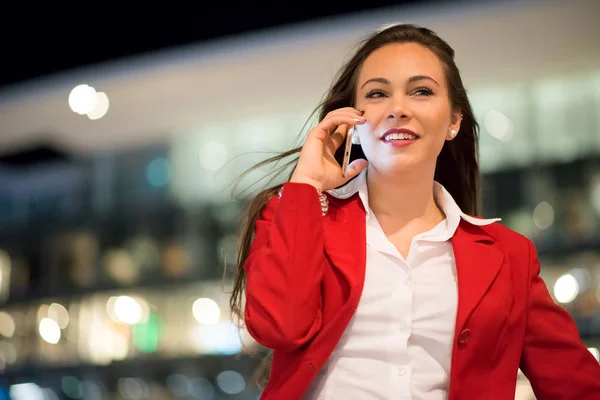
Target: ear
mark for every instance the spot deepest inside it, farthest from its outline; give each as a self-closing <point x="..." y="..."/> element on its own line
<point x="455" y="120"/>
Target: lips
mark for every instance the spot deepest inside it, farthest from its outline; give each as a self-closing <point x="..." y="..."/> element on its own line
<point x="399" y="134"/>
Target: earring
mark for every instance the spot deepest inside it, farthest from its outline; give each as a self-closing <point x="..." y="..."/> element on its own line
<point x="453" y="133"/>
<point x="355" y="139"/>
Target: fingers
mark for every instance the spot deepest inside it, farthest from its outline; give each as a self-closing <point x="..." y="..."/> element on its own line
<point x="344" y="116"/>
<point x="337" y="138"/>
<point x="355" y="168"/>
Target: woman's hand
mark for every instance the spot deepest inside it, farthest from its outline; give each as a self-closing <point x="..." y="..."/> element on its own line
<point x="317" y="165"/>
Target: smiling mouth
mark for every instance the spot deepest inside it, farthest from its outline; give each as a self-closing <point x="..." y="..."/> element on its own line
<point x="399" y="136"/>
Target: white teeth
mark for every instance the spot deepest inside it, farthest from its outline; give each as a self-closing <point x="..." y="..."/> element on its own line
<point x="399" y="136"/>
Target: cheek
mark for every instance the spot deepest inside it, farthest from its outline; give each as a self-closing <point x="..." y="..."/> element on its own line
<point x="374" y="113"/>
<point x="366" y="134"/>
<point x="436" y="123"/>
<point x="435" y="117"/>
<point x="369" y="141"/>
<point x="437" y="137"/>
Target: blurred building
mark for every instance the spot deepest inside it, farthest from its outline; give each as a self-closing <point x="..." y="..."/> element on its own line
<point x="118" y="214"/>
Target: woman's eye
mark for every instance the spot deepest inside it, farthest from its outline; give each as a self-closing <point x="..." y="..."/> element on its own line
<point x="374" y="94"/>
<point x="377" y="93"/>
<point x="423" y="91"/>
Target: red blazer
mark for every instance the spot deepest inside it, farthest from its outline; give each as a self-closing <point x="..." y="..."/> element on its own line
<point x="305" y="278"/>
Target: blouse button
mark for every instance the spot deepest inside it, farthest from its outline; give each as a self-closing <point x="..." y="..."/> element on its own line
<point x="463" y="337"/>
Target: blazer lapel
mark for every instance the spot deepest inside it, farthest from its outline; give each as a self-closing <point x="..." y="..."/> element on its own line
<point x="345" y="239"/>
<point x="478" y="262"/>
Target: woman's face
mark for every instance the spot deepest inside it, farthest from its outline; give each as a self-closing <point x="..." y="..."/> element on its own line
<point x="403" y="92"/>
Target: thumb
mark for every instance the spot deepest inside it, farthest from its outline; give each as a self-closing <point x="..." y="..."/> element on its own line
<point x="355" y="168"/>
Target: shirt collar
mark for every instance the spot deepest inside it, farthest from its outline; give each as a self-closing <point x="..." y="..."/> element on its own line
<point x="443" y="198"/>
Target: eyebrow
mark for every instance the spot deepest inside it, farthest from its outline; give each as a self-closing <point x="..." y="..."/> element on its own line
<point x="410" y="80"/>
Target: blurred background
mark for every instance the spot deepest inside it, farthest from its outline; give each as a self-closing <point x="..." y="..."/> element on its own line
<point x="123" y="130"/>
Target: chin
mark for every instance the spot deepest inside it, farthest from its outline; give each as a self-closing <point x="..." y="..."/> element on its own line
<point x="397" y="167"/>
<point x="402" y="164"/>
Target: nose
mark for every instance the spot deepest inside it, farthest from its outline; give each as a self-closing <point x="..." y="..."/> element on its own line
<point x="399" y="110"/>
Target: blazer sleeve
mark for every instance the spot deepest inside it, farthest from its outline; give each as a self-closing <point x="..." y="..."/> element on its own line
<point x="554" y="359"/>
<point x="284" y="270"/>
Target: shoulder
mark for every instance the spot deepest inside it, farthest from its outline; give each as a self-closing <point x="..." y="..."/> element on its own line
<point x="501" y="232"/>
<point x="509" y="240"/>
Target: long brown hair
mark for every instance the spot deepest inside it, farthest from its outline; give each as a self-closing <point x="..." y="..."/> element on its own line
<point x="457" y="165"/>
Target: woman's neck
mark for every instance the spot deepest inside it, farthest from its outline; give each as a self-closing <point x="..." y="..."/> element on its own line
<point x="403" y="197"/>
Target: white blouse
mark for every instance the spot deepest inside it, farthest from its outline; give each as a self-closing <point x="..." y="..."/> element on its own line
<point x="398" y="344"/>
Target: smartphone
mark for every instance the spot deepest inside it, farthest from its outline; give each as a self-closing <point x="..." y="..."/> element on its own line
<point x="348" y="152"/>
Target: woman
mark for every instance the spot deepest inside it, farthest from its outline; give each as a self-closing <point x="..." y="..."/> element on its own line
<point x="384" y="286"/>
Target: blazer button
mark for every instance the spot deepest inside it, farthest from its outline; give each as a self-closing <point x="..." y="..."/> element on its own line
<point x="463" y="337"/>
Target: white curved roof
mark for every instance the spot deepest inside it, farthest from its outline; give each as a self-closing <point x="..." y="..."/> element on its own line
<point x="281" y="74"/>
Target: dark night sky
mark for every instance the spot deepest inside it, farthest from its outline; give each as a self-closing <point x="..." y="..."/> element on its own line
<point x="40" y="38"/>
